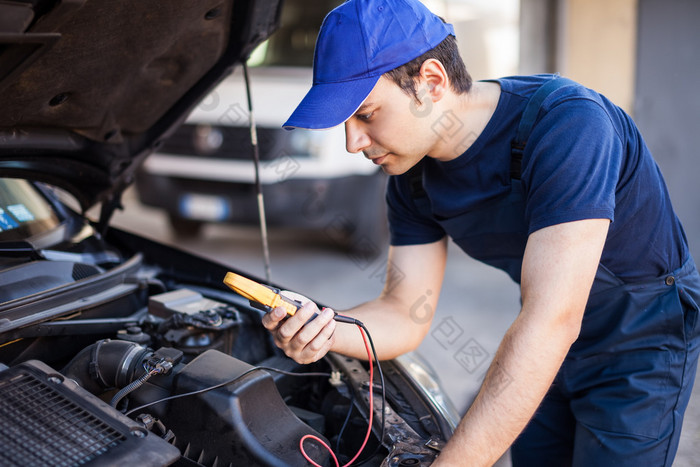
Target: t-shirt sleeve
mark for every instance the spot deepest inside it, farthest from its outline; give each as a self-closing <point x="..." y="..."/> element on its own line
<point x="571" y="165"/>
<point x="407" y="224"/>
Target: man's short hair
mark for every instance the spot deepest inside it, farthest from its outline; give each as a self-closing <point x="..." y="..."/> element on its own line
<point x="448" y="54"/>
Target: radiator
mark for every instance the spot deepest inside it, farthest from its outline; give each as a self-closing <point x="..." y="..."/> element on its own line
<point x="48" y="420"/>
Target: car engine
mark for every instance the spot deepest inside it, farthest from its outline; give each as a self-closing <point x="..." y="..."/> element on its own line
<point x="138" y="353"/>
<point x="118" y="350"/>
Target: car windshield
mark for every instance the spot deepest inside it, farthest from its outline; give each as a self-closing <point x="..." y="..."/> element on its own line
<point x="293" y="43"/>
<point x="24" y="212"/>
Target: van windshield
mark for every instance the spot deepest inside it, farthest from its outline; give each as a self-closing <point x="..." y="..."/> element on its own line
<point x="293" y="43"/>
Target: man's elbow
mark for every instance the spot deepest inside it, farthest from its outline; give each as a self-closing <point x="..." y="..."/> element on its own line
<point x="568" y="325"/>
<point x="562" y="323"/>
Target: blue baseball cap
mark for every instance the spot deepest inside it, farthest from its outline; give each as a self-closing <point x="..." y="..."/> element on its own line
<point x="359" y="41"/>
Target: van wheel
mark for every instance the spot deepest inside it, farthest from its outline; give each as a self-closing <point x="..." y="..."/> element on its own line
<point x="185" y="228"/>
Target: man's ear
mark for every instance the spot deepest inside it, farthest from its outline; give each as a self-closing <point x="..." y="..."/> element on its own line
<point x="434" y="77"/>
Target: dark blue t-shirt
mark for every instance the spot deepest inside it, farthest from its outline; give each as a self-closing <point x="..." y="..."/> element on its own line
<point x="584" y="159"/>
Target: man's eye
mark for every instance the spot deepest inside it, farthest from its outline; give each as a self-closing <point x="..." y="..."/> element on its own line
<point x="365" y="117"/>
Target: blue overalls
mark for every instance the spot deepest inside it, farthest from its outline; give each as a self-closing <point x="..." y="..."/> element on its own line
<point x="621" y="392"/>
<point x="620" y="395"/>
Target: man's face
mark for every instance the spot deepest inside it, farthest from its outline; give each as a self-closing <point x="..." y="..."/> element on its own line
<point x="389" y="129"/>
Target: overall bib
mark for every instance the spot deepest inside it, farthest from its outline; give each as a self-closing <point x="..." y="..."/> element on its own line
<point x="620" y="395"/>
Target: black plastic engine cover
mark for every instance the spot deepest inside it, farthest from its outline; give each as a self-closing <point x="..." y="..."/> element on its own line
<point x="242" y="423"/>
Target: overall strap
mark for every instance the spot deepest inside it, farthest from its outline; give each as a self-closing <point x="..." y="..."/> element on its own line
<point x="527" y="121"/>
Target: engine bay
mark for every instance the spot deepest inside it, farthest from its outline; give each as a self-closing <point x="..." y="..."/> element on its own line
<point x="116" y="349"/>
<point x="147" y="339"/>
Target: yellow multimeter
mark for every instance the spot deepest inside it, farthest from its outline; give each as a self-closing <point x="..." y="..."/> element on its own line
<point x="261" y="296"/>
<point x="267" y="298"/>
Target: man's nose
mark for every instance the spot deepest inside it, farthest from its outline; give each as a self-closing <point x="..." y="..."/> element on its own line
<point x="356" y="139"/>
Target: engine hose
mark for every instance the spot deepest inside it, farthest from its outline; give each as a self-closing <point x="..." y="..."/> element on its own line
<point x="106" y="364"/>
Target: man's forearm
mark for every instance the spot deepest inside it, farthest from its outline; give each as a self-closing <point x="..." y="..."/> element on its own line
<point x="518" y="379"/>
<point x="392" y="333"/>
<point x="400" y="317"/>
<point x="397" y="320"/>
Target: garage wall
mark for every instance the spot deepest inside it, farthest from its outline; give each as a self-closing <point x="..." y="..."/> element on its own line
<point x="590" y="41"/>
<point x="667" y="101"/>
<point x="597" y="43"/>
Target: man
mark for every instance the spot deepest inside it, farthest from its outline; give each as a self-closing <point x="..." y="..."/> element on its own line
<point x="597" y="369"/>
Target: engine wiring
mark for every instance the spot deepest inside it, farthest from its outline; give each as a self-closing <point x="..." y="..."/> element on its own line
<point x="224" y="383"/>
<point x="369" y="423"/>
<point x="152" y="369"/>
<point x="346" y="421"/>
<point x="371" y="387"/>
<point x="372" y="359"/>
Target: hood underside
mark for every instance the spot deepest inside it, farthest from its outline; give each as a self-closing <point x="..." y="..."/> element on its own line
<point x="90" y="88"/>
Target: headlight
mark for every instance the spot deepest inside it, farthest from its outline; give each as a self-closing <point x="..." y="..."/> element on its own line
<point x="305" y="142"/>
<point x="207" y="139"/>
<point x="425" y="379"/>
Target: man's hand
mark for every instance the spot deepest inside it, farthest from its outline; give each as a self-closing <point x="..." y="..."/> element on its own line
<point x="301" y="340"/>
<point x="413" y="280"/>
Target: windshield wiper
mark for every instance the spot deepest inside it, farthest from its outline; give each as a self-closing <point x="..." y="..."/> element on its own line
<point x="19" y="249"/>
<point x="24" y="249"/>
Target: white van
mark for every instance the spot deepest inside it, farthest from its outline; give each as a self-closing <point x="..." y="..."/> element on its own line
<point x="205" y="172"/>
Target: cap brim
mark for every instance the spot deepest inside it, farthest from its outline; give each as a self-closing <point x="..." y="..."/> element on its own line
<point x="329" y="105"/>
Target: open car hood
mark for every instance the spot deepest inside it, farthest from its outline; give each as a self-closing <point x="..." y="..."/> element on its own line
<point x="90" y="88"/>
